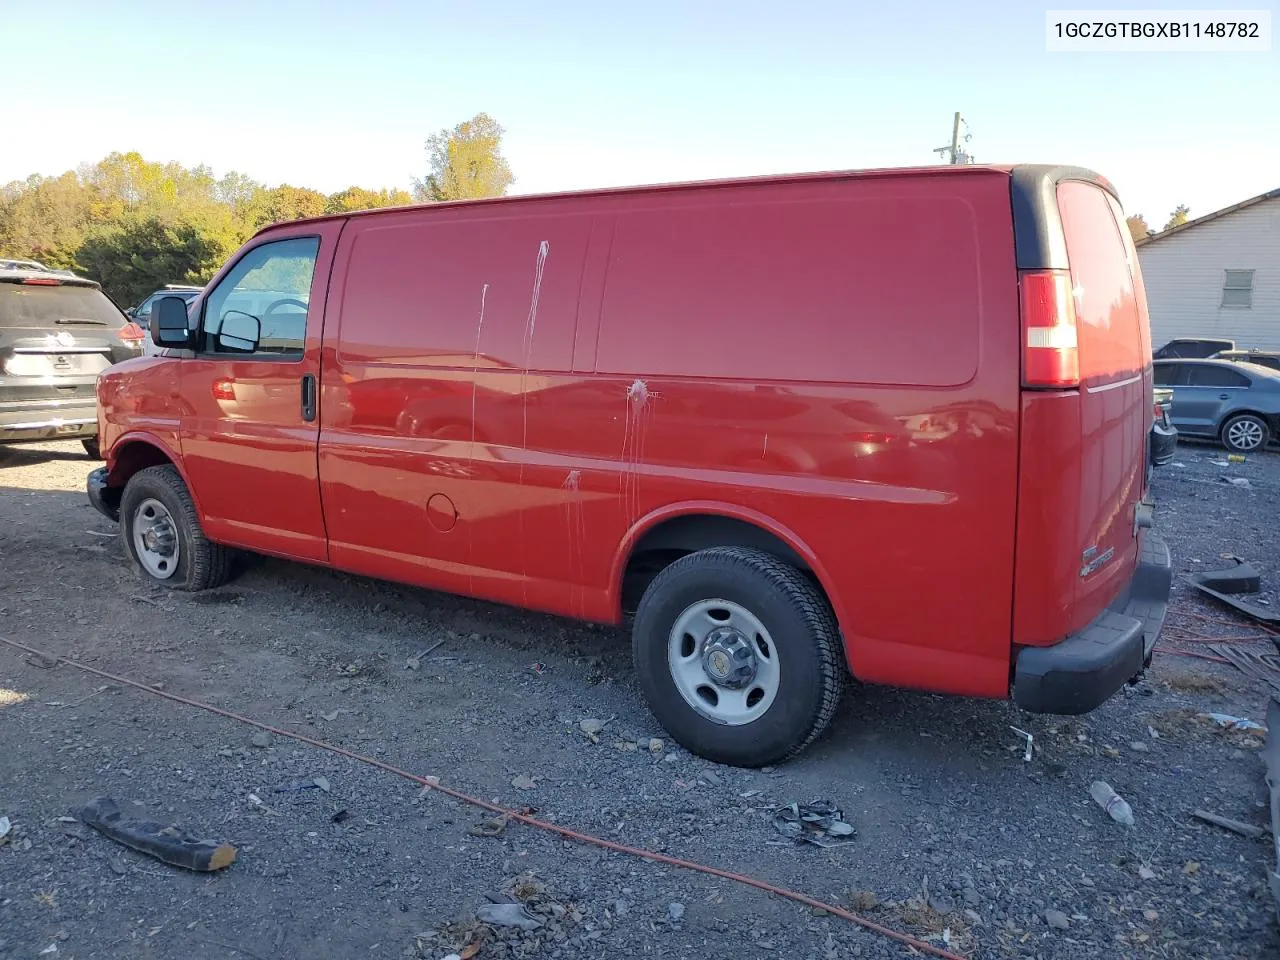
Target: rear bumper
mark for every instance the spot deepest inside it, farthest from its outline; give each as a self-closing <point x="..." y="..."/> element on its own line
<point x="54" y="420"/>
<point x="1164" y="444"/>
<point x="105" y="500"/>
<point x="1086" y="669"/>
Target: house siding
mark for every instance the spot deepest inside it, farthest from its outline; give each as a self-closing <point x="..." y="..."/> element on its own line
<point x="1183" y="274"/>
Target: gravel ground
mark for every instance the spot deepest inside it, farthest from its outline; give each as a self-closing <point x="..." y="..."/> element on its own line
<point x="956" y="833"/>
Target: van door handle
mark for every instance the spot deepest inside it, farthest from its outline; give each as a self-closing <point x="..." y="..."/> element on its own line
<point x="309" y="397"/>
<point x="1224" y="396"/>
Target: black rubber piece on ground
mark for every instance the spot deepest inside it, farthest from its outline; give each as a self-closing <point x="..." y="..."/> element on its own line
<point x="802" y="625"/>
<point x="1242" y="578"/>
<point x="91" y="447"/>
<point x="202" y="564"/>
<point x="166" y="842"/>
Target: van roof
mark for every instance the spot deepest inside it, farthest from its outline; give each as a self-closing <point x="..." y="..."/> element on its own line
<point x="1050" y="172"/>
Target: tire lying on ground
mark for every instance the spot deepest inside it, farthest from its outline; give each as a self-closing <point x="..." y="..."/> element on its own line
<point x="739" y="656"/>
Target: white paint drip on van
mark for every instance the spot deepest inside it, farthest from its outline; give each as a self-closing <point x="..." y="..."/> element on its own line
<point x="633" y="438"/>
<point x="765" y="452"/>
<point x="544" y="249"/>
<point x="475" y="369"/>
<point x="576" y="531"/>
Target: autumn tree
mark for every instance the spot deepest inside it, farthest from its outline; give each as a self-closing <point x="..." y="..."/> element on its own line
<point x="137" y="257"/>
<point x="1178" y="217"/>
<point x="45" y="218"/>
<point x="358" y="198"/>
<point x="134" y="224"/>
<point x="466" y="162"/>
<point x="285" y="203"/>
<point x="1138" y="228"/>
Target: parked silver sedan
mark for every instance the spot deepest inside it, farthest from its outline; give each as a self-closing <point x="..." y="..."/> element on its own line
<point x="1235" y="403"/>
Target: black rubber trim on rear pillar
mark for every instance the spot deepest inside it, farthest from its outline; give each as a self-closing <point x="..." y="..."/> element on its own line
<point x="1038" y="240"/>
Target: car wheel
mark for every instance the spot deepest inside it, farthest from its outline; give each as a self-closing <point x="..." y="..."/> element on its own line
<point x="1246" y="433"/>
<point x="91" y="447"/>
<point x="738" y="656"/>
<point x="162" y="533"/>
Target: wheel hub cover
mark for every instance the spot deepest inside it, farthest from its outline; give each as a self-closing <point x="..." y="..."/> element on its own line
<point x="728" y="659"/>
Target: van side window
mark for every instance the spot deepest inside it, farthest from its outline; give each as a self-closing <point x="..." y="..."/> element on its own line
<point x="272" y="283"/>
<point x="1213" y="376"/>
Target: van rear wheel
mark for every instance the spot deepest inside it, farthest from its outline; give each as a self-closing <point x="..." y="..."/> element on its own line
<point x="739" y="656"/>
<point x="162" y="533"/>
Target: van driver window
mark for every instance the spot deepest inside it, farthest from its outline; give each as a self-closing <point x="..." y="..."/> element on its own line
<point x="272" y="284"/>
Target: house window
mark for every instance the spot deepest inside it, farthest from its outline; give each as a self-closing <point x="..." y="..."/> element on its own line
<point x="1237" y="289"/>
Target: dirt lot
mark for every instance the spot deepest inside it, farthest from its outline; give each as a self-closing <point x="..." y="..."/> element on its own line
<point x="955" y="831"/>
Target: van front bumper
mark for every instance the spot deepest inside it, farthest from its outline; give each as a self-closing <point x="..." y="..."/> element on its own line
<point x="106" y="500"/>
<point x="1086" y="669"/>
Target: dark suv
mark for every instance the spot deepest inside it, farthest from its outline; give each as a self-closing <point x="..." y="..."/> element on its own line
<point x="57" y="333"/>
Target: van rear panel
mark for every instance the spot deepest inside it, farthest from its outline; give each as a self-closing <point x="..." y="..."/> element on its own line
<point x="1083" y="447"/>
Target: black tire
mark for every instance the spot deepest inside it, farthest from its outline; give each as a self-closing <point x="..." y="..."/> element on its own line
<point x="91" y="447"/>
<point x="804" y="632"/>
<point x="201" y="563"/>
<point x="1259" y="427"/>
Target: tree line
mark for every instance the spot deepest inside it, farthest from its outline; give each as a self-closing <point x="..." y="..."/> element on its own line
<point x="134" y="225"/>
<point x="1140" y="231"/>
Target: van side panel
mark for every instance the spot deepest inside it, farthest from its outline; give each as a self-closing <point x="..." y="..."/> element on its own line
<point x="839" y="356"/>
<point x="433" y="381"/>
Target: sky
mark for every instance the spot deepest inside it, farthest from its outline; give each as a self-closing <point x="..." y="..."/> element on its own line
<point x="593" y="93"/>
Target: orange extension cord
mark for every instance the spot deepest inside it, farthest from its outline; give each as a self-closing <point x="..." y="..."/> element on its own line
<point x="433" y="784"/>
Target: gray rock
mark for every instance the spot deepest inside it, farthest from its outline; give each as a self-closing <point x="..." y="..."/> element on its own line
<point x="1057" y="919"/>
<point x="1138" y="746"/>
<point x="261" y="739"/>
<point x="675" y="911"/>
<point x="972" y="897"/>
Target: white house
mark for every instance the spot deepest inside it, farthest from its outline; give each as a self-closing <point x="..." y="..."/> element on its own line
<point x="1217" y="276"/>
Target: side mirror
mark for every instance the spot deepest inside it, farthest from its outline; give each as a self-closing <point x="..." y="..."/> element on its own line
<point x="240" y="332"/>
<point x="169" y="323"/>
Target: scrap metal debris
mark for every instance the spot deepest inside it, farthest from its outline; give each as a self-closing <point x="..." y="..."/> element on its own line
<point x="1271" y="757"/>
<point x="1030" y="740"/>
<point x="820" y="823"/>
<point x="1235" y="826"/>
<point x="1235" y="723"/>
<point x="1263" y="667"/>
<point x="166" y="842"/>
<point x="507" y="915"/>
<point x="1223" y="585"/>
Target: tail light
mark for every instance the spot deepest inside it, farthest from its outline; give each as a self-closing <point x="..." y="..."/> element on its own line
<point x="1050" y="347"/>
<point x="132" y="332"/>
<point x="42" y="282"/>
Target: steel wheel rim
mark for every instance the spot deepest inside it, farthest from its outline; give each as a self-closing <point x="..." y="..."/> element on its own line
<point x="1245" y="434"/>
<point x="706" y="636"/>
<point x="155" y="539"/>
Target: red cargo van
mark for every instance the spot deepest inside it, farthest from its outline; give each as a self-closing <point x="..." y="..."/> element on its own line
<point x="890" y="424"/>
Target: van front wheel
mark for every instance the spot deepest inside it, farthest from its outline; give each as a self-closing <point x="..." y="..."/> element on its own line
<point x="738" y="655"/>
<point x="162" y="533"/>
